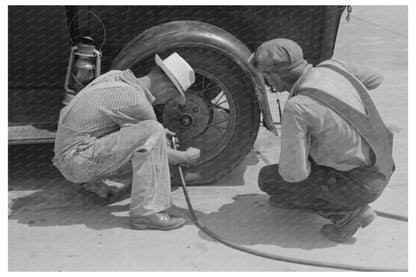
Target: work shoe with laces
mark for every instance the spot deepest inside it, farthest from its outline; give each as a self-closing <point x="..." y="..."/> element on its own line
<point x="344" y="230"/>
<point x="158" y="221"/>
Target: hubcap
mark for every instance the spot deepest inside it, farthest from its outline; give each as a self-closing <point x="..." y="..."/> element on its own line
<point x="206" y="121"/>
<point x="186" y="121"/>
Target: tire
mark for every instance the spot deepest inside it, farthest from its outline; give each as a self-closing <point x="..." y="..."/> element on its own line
<point x="222" y="115"/>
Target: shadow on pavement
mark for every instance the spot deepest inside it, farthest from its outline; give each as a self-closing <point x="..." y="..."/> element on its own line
<point x="236" y="176"/>
<point x="250" y="220"/>
<point x="42" y="197"/>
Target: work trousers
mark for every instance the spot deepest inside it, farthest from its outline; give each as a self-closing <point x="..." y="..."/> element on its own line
<point x="134" y="155"/>
<point x="331" y="193"/>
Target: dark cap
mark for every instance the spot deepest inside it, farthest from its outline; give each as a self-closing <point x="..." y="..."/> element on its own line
<point x="279" y="54"/>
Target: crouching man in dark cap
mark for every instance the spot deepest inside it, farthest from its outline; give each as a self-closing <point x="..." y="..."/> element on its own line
<point x="336" y="152"/>
<point x="108" y="136"/>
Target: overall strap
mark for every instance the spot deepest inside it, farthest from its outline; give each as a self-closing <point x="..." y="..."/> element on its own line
<point x="359" y="121"/>
<point x="370" y="127"/>
<point x="369" y="106"/>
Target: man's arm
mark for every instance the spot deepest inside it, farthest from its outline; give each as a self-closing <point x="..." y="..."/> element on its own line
<point x="180" y="157"/>
<point x="188" y="156"/>
<point x="294" y="165"/>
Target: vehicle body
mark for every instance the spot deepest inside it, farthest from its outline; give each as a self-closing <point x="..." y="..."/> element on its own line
<point x="224" y="106"/>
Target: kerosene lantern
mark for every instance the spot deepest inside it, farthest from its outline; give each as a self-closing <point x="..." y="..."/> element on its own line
<point x="84" y="65"/>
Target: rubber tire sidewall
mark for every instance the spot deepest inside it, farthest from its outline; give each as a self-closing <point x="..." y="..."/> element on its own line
<point x="212" y="60"/>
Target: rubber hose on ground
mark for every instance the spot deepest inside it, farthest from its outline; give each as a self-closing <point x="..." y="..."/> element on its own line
<point x="280" y="257"/>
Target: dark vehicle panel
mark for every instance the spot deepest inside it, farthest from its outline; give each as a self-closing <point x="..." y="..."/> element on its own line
<point x="40" y="40"/>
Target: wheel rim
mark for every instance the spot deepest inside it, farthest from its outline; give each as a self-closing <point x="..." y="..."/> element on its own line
<point x="208" y="121"/>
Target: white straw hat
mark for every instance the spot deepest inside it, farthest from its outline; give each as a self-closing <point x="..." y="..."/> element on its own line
<point x="179" y="72"/>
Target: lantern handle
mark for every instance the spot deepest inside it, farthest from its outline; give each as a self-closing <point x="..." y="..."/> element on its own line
<point x="99" y="20"/>
<point x="68" y="72"/>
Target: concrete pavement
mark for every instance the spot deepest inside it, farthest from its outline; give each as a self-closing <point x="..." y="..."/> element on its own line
<point x="51" y="228"/>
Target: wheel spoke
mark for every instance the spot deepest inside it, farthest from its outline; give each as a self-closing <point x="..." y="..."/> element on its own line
<point x="200" y="93"/>
<point x="219" y="129"/>
<point x="209" y="89"/>
<point x="206" y="87"/>
<point x="219" y="99"/>
<point x="210" y="83"/>
<point x="219" y="122"/>
<point x="227" y="110"/>
<point x="215" y="122"/>
<point x="219" y="104"/>
<point x="204" y="142"/>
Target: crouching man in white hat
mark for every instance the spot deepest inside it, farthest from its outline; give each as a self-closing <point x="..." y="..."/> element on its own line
<point x="109" y="135"/>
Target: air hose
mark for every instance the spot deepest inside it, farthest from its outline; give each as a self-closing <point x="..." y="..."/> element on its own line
<point x="391" y="216"/>
<point x="271" y="256"/>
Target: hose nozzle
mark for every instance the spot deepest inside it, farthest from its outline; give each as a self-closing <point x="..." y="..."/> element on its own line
<point x="175" y="142"/>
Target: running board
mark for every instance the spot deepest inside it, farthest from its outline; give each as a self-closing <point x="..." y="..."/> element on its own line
<point x="31" y="134"/>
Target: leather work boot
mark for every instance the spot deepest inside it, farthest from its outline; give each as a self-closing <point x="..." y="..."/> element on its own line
<point x="343" y="231"/>
<point x="158" y="221"/>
